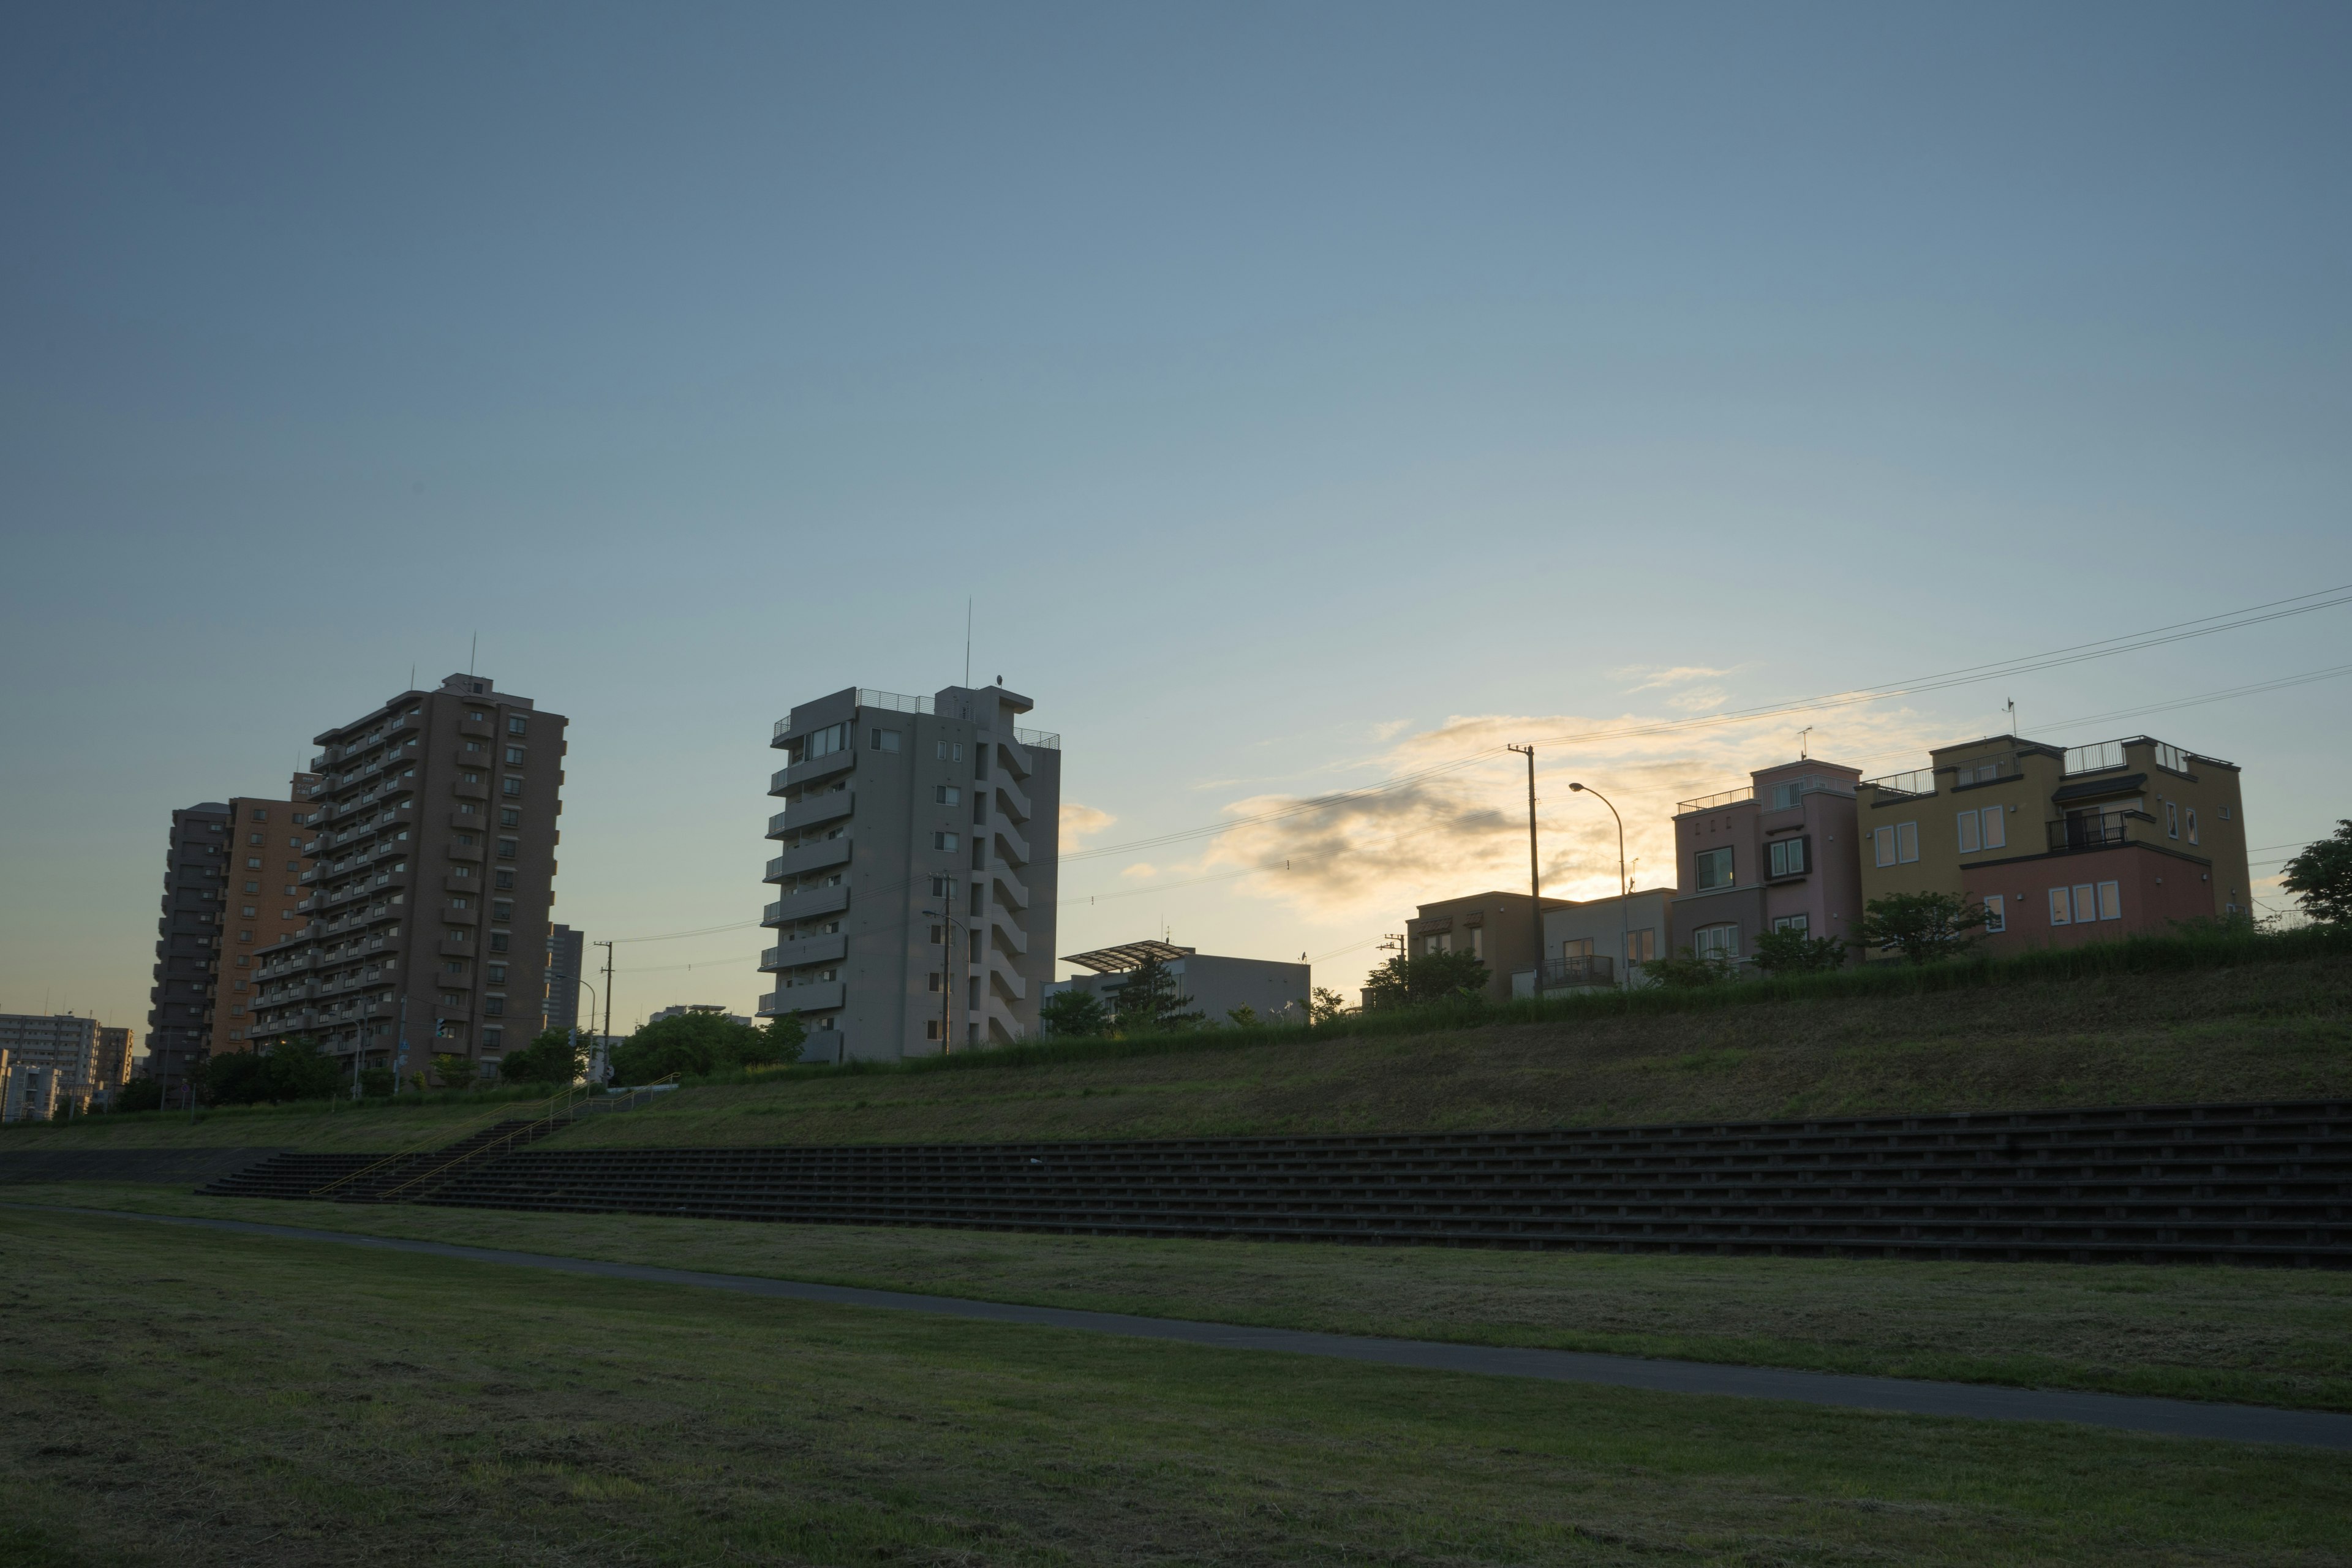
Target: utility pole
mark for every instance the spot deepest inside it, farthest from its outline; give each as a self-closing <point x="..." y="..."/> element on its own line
<point x="608" y="987"/>
<point x="948" y="923"/>
<point x="1535" y="875"/>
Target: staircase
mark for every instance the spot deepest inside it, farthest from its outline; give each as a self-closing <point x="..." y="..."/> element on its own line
<point x="2245" y="1184"/>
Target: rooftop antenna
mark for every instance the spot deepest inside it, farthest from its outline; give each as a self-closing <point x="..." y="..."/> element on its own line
<point x="1802" y="755"/>
<point x="967" y="642"/>
<point x="412" y="675"/>
<point x="2012" y="706"/>
<point x="471" y="650"/>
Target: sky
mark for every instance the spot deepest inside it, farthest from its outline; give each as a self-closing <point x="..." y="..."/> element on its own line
<point x="1301" y="395"/>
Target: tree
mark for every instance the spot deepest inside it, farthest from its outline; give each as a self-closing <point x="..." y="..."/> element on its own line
<point x="1326" y="1006"/>
<point x="1922" y="927"/>
<point x="553" y="1057"/>
<point x="1789" y="951"/>
<point x="140" y="1094"/>
<point x="1148" y="1000"/>
<point x="1073" y="1015"/>
<point x="290" y="1070"/>
<point x="697" y="1045"/>
<point x="377" y="1083"/>
<point x="2321" y="876"/>
<point x="1402" y="981"/>
<point x="1244" y="1017"/>
<point x="456" y="1071"/>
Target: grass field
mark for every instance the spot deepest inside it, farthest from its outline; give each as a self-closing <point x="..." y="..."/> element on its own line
<point x="178" y="1397"/>
<point x="2270" y="1337"/>
<point x="2259" y="1032"/>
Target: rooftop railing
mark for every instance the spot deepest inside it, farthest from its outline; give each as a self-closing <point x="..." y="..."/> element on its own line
<point x="1710" y="802"/>
<point x="1045" y="739"/>
<point x="2095" y="758"/>
<point x="1917" y="782"/>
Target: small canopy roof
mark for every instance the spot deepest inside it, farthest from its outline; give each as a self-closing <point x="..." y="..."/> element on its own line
<point x="1126" y="956"/>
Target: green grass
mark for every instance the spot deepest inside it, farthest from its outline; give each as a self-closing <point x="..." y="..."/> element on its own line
<point x="2259" y="1336"/>
<point x="196" y="1398"/>
<point x="2021" y="1034"/>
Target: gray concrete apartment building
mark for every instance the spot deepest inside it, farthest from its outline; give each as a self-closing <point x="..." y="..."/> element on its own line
<point x="567" y="954"/>
<point x="188" y="944"/>
<point x="434" y="836"/>
<point x="921" y="840"/>
<point x="63" y="1043"/>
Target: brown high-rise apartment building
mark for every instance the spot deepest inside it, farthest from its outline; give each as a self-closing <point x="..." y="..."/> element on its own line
<point x="262" y="892"/>
<point x="433" y="826"/>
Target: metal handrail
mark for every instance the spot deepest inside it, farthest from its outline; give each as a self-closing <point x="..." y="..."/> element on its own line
<point x="486" y="1118"/>
<point x="1709" y="802"/>
<point x="571" y="1098"/>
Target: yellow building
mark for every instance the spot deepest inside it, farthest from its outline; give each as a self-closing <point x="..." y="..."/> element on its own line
<point x="2062" y="845"/>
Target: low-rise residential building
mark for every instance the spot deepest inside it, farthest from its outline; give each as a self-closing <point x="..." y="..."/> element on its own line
<point x="29" y="1090"/>
<point x="61" y="1042"/>
<point x="1498" y="928"/>
<point x="2062" y="845"/>
<point x="1274" y="991"/>
<point x="1780" y="854"/>
<point x="1600" y="941"/>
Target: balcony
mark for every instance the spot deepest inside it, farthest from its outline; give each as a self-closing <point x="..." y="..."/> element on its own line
<point x="822" y="767"/>
<point x="810" y="858"/>
<point x="464" y="851"/>
<point x="2097" y="830"/>
<point x="815" y="998"/>
<point x="1590" y="969"/>
<point x="804" y="952"/>
<point x="457" y="947"/>
<point x="806" y="904"/>
<point x="473" y="821"/>
<point x="475" y="791"/>
<point x="800" y="814"/>
<point x="479" y="728"/>
<point x="1716" y="801"/>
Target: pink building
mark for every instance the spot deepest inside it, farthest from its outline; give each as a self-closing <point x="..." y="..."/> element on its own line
<point x="1781" y="853"/>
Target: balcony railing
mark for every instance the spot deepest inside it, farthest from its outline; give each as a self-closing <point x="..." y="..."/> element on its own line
<point x="1593" y="969"/>
<point x="1710" y="802"/>
<point x="2094" y="830"/>
<point x="1042" y="738"/>
<point x="1917" y="782"/>
<point x="2095" y="759"/>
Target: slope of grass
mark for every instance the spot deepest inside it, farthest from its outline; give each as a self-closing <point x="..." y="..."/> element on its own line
<point x="182" y="1397"/>
<point x="2257" y="1336"/>
<point x="1845" y="1045"/>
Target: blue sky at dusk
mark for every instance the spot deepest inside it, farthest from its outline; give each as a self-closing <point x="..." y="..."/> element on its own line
<point x="1301" y="392"/>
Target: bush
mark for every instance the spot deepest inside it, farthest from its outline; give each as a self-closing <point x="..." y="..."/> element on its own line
<point x="551" y="1059"/>
<point x="1073" y="1015"/>
<point x="377" y="1083"/>
<point x="697" y="1045"/>
<point x="455" y="1071"/>
<point x="1780" y="952"/>
<point x="1687" y="970"/>
<point x="1433" y="977"/>
<point x="1922" y="927"/>
<point x="292" y="1069"/>
<point x="140" y="1094"/>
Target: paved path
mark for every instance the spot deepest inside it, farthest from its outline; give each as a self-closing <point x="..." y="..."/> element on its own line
<point x="2176" y="1418"/>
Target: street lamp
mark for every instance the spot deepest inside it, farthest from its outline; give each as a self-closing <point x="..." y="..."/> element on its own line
<point x="1624" y="914"/>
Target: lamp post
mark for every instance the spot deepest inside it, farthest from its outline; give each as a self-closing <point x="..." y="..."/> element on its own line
<point x="1624" y="915"/>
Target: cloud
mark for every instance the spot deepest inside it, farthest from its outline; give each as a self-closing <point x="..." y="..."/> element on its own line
<point x="1698" y="700"/>
<point x="1654" y="678"/>
<point x="1388" y="728"/>
<point x="1079" y="821"/>
<point x="1142" y="870"/>
<point x="1370" y="857"/>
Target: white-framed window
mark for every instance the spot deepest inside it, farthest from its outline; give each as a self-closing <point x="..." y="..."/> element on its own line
<point x="1714" y="868"/>
<point x="1641" y="946"/>
<point x="945" y="841"/>
<point x="2225" y="813"/>
<point x="2111" y="900"/>
<point x="950" y="750"/>
<point x="1968" y="823"/>
<point x="1478" y="942"/>
<point x="1576" y="947"/>
<point x="1987" y="827"/>
<point x="885" y="740"/>
<point x="947" y="794"/>
<point x="1715" y="941"/>
<point x="2192" y="825"/>
<point x="1787" y="856"/>
<point x="2171" y="819"/>
<point x="2086" y="903"/>
<point x="1801" y="924"/>
<point x="2170" y="757"/>
<point x="1996" y="913"/>
<point x="1979" y="772"/>
<point x="2061" y="908"/>
<point x="1437" y="942"/>
<point x="1896" y="843"/>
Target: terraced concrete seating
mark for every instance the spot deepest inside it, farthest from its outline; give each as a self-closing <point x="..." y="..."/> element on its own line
<point x="2260" y="1183"/>
<point x="367" y="1178"/>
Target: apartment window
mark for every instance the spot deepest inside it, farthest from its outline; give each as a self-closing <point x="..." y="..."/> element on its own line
<point x="253" y="887"/>
<point x="939" y="936"/>
<point x="2111" y="900"/>
<point x="499" y="941"/>
<point x="476" y="746"/>
<point x="1478" y="942"/>
<point x="1986" y="828"/>
<point x="505" y="881"/>
<point x="1714" y="868"/>
<point x="1979" y="772"/>
<point x="2225" y="813"/>
<point x="945" y="841"/>
<point x="1793" y="792"/>
<point x="1799" y="924"/>
<point x="950" y="750"/>
<point x="2171" y="820"/>
<point x="1576" y="947"/>
<point x="1996" y="914"/>
<point x="505" y="848"/>
<point x="1788" y="856"/>
<point x="494" y="1006"/>
<point x="1641" y="946"/>
<point x="514" y="756"/>
<point x="931" y="1029"/>
<point x="453" y="967"/>
<point x="937" y="980"/>
<point x="1895" y="844"/>
<point x="515" y="724"/>
<point x="511" y="788"/>
<point x="884" y="741"/>
<point x="947" y="794"/>
<point x="2192" y="825"/>
<point x="1715" y="941"/>
<point x="823" y="743"/>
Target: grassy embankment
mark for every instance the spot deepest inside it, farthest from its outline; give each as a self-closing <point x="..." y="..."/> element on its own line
<point x="2026" y="1033"/>
<point x="199" y="1398"/>
<point x="2270" y="1337"/>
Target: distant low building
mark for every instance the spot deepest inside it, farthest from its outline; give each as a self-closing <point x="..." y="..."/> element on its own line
<point x="114" y="1062"/>
<point x="1780" y="853"/>
<point x="1494" y="927"/>
<point x="60" y="1043"/>
<point x="567" y="952"/>
<point x="1601" y="942"/>
<point x="1217" y="986"/>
